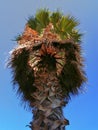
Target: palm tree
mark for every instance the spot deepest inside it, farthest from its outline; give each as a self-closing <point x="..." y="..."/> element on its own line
<point x="48" y="67"/>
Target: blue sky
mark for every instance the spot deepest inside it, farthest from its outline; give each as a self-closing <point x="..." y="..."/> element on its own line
<point x="82" y="110"/>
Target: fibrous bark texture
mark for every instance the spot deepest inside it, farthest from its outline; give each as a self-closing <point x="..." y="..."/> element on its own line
<point x="48" y="103"/>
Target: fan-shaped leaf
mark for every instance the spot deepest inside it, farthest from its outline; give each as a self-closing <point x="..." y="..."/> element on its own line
<point x="55" y="17"/>
<point x="32" y="22"/>
<point x="42" y="17"/>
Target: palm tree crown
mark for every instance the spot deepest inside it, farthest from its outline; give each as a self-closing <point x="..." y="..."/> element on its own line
<point x="49" y="40"/>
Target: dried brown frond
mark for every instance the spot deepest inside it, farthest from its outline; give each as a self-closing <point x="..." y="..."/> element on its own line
<point x="72" y="76"/>
<point x="23" y="74"/>
<point x="28" y="35"/>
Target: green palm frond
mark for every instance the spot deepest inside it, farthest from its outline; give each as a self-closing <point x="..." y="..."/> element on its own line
<point x="32" y="22"/>
<point x="64" y="26"/>
<point x="40" y="21"/>
<point x="55" y="17"/>
<point x="72" y="22"/>
<point x="76" y="36"/>
<point x="42" y="18"/>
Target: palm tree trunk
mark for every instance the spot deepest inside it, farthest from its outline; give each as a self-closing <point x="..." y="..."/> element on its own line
<point x="47" y="108"/>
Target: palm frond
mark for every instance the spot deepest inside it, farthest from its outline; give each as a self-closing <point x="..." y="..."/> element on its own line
<point x="42" y="17"/>
<point x="71" y="22"/>
<point x="18" y="37"/>
<point x="65" y="26"/>
<point x="76" y="36"/>
<point x="32" y="22"/>
<point x="23" y="75"/>
<point x="55" y="17"/>
<point x="72" y="75"/>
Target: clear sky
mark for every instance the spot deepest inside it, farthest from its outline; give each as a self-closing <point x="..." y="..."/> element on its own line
<point x="82" y="110"/>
